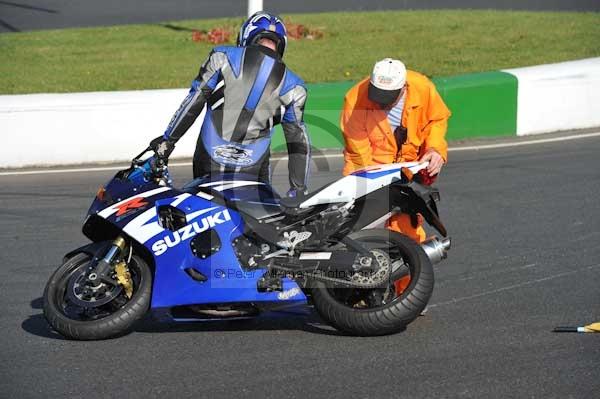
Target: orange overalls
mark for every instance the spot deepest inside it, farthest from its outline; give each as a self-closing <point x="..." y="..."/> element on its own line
<point x="369" y="139"/>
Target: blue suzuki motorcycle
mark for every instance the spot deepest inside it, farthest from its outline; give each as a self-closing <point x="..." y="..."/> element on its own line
<point x="229" y="247"/>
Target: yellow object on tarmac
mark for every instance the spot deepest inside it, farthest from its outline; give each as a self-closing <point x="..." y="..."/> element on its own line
<point x="590" y="328"/>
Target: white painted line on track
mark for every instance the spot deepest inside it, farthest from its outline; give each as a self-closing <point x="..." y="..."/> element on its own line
<point x="78" y="170"/>
<point x="512" y="287"/>
<point x="174" y="164"/>
<point x="525" y="142"/>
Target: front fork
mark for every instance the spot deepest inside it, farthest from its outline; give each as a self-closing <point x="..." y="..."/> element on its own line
<point x="101" y="272"/>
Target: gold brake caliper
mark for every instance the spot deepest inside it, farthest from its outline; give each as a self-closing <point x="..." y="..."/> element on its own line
<point x="124" y="278"/>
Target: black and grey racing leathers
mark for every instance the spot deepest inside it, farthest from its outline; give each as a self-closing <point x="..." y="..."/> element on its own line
<point x="247" y="91"/>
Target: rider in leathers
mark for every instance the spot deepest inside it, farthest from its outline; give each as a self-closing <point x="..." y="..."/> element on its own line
<point x="247" y="90"/>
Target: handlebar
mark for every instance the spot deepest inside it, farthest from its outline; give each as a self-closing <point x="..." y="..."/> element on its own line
<point x="157" y="167"/>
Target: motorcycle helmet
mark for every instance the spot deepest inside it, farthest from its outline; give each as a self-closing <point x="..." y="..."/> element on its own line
<point x="263" y="25"/>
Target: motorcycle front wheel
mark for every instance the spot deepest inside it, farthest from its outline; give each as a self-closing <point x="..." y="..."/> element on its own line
<point x="390" y="307"/>
<point x="80" y="312"/>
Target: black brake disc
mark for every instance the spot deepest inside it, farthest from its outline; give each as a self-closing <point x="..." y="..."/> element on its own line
<point x="82" y="292"/>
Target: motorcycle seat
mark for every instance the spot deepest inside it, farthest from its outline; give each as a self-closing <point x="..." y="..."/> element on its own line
<point x="293" y="203"/>
<point x="257" y="210"/>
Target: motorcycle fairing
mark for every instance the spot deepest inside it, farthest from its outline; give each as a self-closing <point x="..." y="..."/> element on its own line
<point x="361" y="183"/>
<point x="241" y="192"/>
<point x="226" y="281"/>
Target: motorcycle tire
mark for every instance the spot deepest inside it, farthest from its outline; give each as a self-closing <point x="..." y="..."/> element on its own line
<point x="112" y="325"/>
<point x="391" y="317"/>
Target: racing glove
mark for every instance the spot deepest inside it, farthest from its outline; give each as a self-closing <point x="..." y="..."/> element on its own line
<point x="163" y="148"/>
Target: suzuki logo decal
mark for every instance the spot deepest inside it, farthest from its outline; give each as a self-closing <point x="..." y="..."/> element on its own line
<point x="134" y="203"/>
<point x="189" y="231"/>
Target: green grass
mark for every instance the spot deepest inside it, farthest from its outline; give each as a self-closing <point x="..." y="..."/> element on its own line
<point x="437" y="43"/>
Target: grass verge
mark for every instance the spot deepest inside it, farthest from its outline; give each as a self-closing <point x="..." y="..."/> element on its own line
<point x="437" y="43"/>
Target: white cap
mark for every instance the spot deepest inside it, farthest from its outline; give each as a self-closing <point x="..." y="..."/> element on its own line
<point x="387" y="80"/>
<point x="389" y="74"/>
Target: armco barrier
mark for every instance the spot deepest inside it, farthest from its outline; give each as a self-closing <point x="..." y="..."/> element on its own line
<point x="53" y="129"/>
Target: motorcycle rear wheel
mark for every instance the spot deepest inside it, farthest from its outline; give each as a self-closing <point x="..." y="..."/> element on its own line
<point x="110" y="320"/>
<point x="345" y="309"/>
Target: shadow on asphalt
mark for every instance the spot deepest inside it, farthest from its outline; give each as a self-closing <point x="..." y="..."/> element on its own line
<point x="37" y="303"/>
<point x="311" y="323"/>
<point x="37" y="325"/>
<point x="263" y="323"/>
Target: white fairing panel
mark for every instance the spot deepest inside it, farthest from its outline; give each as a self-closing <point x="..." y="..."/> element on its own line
<point x="361" y="183"/>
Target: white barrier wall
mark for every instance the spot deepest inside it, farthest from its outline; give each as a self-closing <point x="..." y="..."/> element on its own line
<point x="557" y="97"/>
<point x="63" y="129"/>
<point x="59" y="129"/>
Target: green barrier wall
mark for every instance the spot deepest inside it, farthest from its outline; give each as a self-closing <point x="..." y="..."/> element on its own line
<point x="322" y="115"/>
<point x="482" y="105"/>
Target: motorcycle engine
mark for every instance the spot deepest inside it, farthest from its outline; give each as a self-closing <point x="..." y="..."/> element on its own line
<point x="248" y="250"/>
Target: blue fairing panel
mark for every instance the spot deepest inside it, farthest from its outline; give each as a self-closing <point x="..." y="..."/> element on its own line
<point x="125" y="201"/>
<point x="226" y="281"/>
<point x="133" y="209"/>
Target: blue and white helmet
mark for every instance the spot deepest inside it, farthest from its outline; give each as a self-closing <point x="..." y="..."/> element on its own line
<point x="263" y="25"/>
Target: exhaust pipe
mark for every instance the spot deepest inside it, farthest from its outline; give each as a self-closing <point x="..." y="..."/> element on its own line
<point x="436" y="249"/>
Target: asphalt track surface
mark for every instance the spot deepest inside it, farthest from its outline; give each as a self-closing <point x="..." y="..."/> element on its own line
<point x="525" y="223"/>
<point x="23" y="15"/>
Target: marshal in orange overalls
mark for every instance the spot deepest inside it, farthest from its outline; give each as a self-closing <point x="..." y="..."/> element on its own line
<point x="369" y="139"/>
